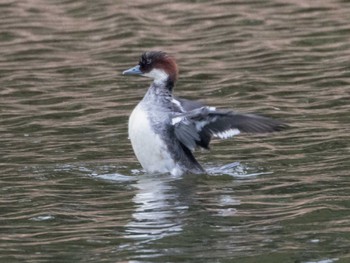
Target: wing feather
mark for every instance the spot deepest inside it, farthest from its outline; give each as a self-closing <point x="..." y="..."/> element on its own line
<point x="197" y="126"/>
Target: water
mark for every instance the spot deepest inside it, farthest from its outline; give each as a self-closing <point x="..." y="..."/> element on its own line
<point x="70" y="187"/>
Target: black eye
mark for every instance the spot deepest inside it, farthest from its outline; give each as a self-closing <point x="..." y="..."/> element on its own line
<point x="145" y="62"/>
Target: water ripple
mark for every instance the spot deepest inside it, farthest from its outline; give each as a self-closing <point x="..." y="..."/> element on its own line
<point x="71" y="188"/>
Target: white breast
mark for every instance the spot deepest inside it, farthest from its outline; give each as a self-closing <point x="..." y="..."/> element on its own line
<point x="149" y="149"/>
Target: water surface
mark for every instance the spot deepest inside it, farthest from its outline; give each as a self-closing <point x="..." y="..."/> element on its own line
<point x="71" y="189"/>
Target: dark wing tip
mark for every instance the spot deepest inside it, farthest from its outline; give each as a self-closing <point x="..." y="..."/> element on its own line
<point x="281" y="127"/>
<point x="252" y="123"/>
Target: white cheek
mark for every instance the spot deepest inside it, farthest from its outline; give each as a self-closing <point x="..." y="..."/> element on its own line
<point x="157" y="74"/>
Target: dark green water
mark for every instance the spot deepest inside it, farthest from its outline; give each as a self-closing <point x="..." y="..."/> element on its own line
<point x="71" y="189"/>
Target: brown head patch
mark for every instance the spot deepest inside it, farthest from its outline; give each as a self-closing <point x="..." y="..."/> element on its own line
<point x="160" y="60"/>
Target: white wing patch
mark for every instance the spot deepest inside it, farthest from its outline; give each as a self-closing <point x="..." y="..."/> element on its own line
<point x="177" y="120"/>
<point x="227" y="134"/>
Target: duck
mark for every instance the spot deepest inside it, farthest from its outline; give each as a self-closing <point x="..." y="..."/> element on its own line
<point x="165" y="130"/>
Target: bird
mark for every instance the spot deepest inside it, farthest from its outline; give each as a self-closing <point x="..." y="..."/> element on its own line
<point x="165" y="130"/>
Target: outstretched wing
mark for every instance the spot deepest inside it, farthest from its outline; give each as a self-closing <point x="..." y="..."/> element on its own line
<point x="185" y="105"/>
<point x="198" y="126"/>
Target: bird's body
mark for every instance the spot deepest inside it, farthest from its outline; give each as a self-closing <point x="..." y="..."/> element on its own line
<point x="165" y="130"/>
<point x="152" y="135"/>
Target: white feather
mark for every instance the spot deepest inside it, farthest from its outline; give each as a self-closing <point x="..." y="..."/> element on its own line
<point x="201" y="124"/>
<point x="227" y="134"/>
<point x="159" y="75"/>
<point x="178" y="104"/>
<point x="177" y="120"/>
<point x="149" y="149"/>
